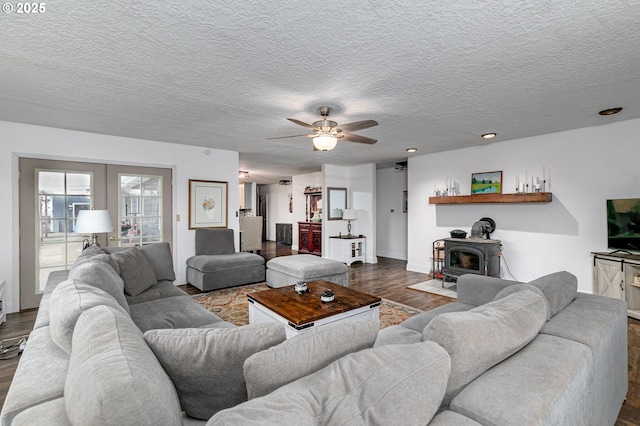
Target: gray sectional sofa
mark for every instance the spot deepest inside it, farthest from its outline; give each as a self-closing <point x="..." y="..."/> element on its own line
<point x="116" y="343"/>
<point x="573" y="372"/>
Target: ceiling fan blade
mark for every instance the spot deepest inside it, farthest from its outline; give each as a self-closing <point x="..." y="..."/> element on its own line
<point x="301" y="123"/>
<point x="357" y="125"/>
<point x="356" y="138"/>
<point x="292" y="136"/>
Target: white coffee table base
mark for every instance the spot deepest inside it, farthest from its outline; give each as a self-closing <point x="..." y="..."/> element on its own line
<point x="260" y="314"/>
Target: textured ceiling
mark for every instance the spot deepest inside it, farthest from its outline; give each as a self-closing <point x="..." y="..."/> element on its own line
<point x="434" y="74"/>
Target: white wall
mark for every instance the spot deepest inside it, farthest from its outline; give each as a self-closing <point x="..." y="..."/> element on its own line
<point x="588" y="166"/>
<point x="360" y="182"/>
<point x="277" y="207"/>
<point x="188" y="162"/>
<point x="391" y="222"/>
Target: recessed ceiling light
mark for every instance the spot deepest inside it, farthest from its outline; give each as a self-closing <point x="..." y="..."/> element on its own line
<point x="243" y="175"/>
<point x="489" y="135"/>
<point x="412" y="149"/>
<point x="610" y="111"/>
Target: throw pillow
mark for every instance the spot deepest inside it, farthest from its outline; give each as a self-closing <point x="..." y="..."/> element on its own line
<point x="206" y="364"/>
<point x="389" y="385"/>
<point x="135" y="271"/>
<point x="114" y="378"/>
<point x="68" y="301"/>
<point x="101" y="275"/>
<point x="306" y="353"/>
<point x="519" y="287"/>
<point x="159" y="257"/>
<point x="560" y="288"/>
<point x="484" y="336"/>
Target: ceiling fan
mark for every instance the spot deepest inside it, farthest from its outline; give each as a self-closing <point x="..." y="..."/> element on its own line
<point x="326" y="132"/>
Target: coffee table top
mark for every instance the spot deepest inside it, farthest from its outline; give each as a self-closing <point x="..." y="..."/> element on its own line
<point x="307" y="307"/>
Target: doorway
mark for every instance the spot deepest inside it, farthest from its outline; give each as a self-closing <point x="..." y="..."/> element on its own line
<point x="52" y="193"/>
<point x="262" y="211"/>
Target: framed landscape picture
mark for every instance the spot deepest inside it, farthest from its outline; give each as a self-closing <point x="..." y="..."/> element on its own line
<point x="486" y="183"/>
<point x="207" y="204"/>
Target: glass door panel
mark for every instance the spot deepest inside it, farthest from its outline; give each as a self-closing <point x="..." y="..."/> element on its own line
<point x="60" y="195"/>
<point x="141" y="210"/>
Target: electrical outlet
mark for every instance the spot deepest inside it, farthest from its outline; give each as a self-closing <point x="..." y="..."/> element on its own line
<point x="178" y="217"/>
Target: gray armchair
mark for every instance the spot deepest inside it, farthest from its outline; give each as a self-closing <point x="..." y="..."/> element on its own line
<point x="218" y="265"/>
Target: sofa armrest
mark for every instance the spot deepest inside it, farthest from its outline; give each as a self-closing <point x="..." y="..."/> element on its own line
<point x="477" y="290"/>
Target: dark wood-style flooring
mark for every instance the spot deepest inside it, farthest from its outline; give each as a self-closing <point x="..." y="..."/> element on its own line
<point x="388" y="279"/>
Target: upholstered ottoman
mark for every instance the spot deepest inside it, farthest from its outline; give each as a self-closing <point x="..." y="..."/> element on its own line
<point x="288" y="270"/>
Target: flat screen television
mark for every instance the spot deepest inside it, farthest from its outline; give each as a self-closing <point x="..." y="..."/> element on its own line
<point x="623" y="224"/>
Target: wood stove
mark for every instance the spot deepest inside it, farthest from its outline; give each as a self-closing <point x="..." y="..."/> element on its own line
<point x="471" y="256"/>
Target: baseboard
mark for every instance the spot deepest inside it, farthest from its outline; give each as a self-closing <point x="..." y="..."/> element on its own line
<point x="414" y="267"/>
<point x="391" y="254"/>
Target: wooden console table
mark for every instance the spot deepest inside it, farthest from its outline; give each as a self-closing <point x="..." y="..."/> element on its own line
<point x="310" y="238"/>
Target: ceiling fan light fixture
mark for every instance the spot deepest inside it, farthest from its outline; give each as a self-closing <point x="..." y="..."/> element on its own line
<point x="324" y="142"/>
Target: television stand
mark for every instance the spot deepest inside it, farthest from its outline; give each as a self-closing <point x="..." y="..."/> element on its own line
<point x="617" y="275"/>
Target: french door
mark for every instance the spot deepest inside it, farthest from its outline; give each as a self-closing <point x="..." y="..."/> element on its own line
<point x="52" y="193"/>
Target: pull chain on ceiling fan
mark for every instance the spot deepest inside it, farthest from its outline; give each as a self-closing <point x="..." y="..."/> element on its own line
<point x="326" y="132"/>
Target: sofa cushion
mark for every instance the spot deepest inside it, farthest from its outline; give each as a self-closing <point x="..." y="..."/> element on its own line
<point x="206" y="364"/>
<point x="68" y="301"/>
<point x="39" y="376"/>
<point x="161" y="260"/>
<point x="548" y="382"/>
<point x="87" y="253"/>
<point x="214" y="241"/>
<point x="220" y="262"/>
<point x="306" y="353"/>
<point x="560" y="289"/>
<point x="114" y="378"/>
<point x="161" y="290"/>
<point x="519" y="287"/>
<point x="394" y="384"/>
<point x="135" y="270"/>
<point x="484" y="336"/>
<point x="101" y="275"/>
<point x="171" y="312"/>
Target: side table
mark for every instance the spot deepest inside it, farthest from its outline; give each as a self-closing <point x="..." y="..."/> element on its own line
<point x="348" y="248"/>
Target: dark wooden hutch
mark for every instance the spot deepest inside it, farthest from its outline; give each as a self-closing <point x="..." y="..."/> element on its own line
<point x="310" y="231"/>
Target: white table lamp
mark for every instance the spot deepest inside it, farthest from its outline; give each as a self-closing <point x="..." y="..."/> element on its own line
<point x="349" y="215"/>
<point x="93" y="222"/>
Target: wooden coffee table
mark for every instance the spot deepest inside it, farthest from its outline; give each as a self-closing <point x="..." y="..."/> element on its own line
<point x="302" y="312"/>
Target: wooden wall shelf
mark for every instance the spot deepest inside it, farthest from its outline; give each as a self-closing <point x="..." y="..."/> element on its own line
<point x="534" y="197"/>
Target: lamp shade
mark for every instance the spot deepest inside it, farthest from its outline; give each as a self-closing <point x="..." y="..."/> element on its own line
<point x="325" y="143"/>
<point x="349" y="214"/>
<point x="93" y="221"/>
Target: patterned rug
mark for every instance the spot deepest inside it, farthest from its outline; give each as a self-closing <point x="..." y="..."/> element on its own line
<point x="231" y="305"/>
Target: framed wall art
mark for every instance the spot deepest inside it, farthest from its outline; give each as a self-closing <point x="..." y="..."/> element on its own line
<point x="486" y="183"/>
<point x="207" y="204"/>
<point x="405" y="202"/>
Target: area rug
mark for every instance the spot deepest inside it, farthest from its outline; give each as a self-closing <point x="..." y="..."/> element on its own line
<point x="231" y="305"/>
<point x="435" y="287"/>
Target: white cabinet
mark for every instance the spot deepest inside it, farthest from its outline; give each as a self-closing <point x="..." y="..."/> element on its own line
<point x="347" y="249"/>
<point x="618" y="276"/>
